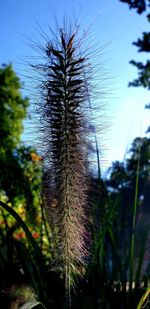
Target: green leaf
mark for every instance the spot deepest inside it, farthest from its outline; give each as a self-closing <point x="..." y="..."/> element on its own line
<point x="22" y="224"/>
<point x="143" y="299"/>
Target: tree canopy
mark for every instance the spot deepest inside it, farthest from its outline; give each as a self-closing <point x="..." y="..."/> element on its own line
<point x="13" y="109"/>
<point x="143" y="45"/>
<point x="139" y="5"/>
<point x="19" y="165"/>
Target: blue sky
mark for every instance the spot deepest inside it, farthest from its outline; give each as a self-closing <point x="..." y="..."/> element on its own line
<point x="112" y="22"/>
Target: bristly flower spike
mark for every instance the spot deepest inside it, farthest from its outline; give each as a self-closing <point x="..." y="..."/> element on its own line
<point x="65" y="94"/>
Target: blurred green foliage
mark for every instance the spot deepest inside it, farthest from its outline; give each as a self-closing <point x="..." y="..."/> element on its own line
<point x="20" y="168"/>
<point x="143" y="45"/>
<point x="13" y="109"/>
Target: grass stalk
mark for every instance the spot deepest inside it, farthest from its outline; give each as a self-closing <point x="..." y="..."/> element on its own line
<point x="21" y="223"/>
<point x="144" y="300"/>
<point x="132" y="249"/>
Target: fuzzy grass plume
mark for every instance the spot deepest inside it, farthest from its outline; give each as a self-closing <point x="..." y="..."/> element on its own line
<point x="65" y="92"/>
<point x="65" y="109"/>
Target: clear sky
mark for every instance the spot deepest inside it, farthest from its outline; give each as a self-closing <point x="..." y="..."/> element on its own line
<point x="111" y="21"/>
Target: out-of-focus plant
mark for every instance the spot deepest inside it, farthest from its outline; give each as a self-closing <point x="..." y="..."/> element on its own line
<point x="18" y="164"/>
<point x="144" y="301"/>
<point x="20" y="188"/>
<point x="120" y="237"/>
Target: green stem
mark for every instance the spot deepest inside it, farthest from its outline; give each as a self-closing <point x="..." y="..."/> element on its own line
<point x="133" y="222"/>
